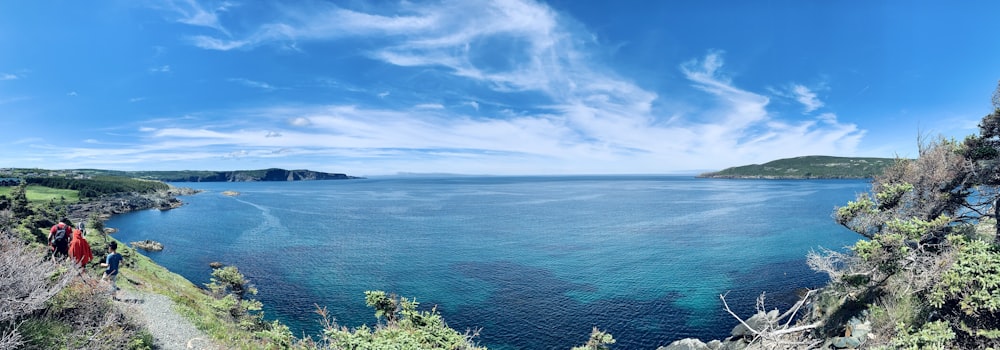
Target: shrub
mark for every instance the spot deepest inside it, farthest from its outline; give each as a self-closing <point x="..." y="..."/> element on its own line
<point x="408" y="329"/>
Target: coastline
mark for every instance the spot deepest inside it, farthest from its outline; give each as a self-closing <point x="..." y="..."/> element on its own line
<point x="121" y="203"/>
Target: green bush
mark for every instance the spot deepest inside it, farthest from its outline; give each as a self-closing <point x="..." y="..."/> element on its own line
<point x="406" y="328"/>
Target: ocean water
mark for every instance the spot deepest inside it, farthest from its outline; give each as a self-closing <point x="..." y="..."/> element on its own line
<point x="530" y="262"/>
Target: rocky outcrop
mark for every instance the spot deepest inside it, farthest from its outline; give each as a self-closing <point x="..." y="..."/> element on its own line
<point x="128" y="202"/>
<point x="857" y="331"/>
<point x="148" y="245"/>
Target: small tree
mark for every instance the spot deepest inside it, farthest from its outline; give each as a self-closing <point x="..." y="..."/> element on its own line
<point x="231" y="289"/>
<point x="19" y="200"/>
<point x="599" y="340"/>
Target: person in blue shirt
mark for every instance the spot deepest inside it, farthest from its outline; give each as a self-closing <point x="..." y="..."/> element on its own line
<point x="111" y="273"/>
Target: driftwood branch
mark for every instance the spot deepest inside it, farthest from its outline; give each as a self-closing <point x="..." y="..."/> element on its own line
<point x="772" y="333"/>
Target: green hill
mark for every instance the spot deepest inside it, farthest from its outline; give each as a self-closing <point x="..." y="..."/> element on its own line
<point x="807" y="167"/>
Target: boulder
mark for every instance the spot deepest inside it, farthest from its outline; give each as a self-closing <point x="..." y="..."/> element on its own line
<point x="758" y="322"/>
<point x="148" y="245"/>
<point x="686" y="344"/>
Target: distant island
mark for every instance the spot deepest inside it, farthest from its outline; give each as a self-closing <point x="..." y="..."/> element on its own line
<point x="272" y="174"/>
<point x="807" y="167"/>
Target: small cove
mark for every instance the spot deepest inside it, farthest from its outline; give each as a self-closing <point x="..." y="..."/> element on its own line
<point x="534" y="262"/>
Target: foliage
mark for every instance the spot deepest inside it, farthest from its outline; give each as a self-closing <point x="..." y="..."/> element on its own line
<point x="384" y="305"/>
<point x="232" y="289"/>
<point x="926" y="274"/>
<point x="86" y="318"/>
<point x="409" y="328"/>
<point x="29" y="281"/>
<point x="19" y="200"/>
<point x="932" y="335"/>
<point x="972" y="281"/>
<point x="808" y="167"/>
<point x="599" y="340"/>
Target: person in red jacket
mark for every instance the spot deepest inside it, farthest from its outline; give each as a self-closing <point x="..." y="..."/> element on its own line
<point x="79" y="249"/>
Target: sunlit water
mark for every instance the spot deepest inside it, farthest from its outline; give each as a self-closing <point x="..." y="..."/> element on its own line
<point x="532" y="262"/>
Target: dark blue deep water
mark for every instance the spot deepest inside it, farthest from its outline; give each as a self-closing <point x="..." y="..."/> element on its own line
<point x="533" y="262"/>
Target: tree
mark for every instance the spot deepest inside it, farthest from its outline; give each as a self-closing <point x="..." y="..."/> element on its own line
<point x="923" y="275"/>
<point x="231" y="289"/>
<point x="19" y="200"/>
<point x="384" y="305"/>
<point x="983" y="154"/>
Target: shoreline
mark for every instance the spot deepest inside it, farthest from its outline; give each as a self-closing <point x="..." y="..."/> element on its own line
<point x="121" y="203"/>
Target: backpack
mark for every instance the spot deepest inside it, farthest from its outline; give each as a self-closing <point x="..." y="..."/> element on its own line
<point x="60" y="237"/>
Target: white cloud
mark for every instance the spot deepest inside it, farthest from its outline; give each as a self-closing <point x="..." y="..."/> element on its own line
<point x="161" y="69"/>
<point x="136" y="99"/>
<point x="590" y="119"/>
<point x="253" y="83"/>
<point x="71" y="93"/>
<point x="7" y="76"/>
<point x="193" y="13"/>
<point x="806" y="97"/>
<point x="300" y="121"/>
<point x="429" y="106"/>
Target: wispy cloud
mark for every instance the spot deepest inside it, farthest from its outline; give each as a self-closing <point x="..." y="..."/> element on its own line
<point x="197" y="14"/>
<point x="253" y="83"/>
<point x="806" y="97"/>
<point x="161" y="69"/>
<point x="299" y="121"/>
<point x="429" y="106"/>
<point x="584" y="116"/>
<point x="8" y="76"/>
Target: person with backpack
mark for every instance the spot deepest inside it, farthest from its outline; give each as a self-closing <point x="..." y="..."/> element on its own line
<point x="111" y="273"/>
<point x="79" y="249"/>
<point x="59" y="239"/>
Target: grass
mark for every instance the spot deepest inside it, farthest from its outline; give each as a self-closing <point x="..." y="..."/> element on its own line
<point x="142" y="274"/>
<point x="41" y="194"/>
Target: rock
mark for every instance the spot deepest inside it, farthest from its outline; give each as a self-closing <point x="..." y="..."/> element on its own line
<point x="714" y="345"/>
<point x="758" y="322"/>
<point x="230" y="193"/>
<point x="148" y="245"/>
<point x="110" y="230"/>
<point x="845" y="342"/>
<point x="215" y="265"/>
<point x="686" y="344"/>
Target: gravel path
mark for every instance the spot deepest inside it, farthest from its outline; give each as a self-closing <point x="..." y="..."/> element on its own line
<point x="170" y="330"/>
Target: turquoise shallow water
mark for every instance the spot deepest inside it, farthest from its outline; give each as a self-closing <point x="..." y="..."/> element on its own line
<point x="533" y="262"/>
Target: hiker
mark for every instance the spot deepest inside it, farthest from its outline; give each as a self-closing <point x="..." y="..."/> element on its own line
<point x="112" y="262"/>
<point x="59" y="239"/>
<point x="79" y="249"/>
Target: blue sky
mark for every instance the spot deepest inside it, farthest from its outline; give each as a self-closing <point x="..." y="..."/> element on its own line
<point x="485" y="87"/>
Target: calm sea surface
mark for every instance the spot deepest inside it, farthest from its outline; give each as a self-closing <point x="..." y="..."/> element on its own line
<point x="533" y="262"/>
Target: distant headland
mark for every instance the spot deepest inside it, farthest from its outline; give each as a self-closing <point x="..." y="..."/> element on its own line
<point x="272" y="174"/>
<point x="807" y="167"/>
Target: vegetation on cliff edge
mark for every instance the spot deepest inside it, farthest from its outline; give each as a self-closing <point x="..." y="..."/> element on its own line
<point x="807" y="167"/>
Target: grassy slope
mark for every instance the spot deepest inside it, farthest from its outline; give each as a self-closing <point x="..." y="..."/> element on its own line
<point x="37" y="194"/>
<point x="142" y="274"/>
<point x="808" y="167"/>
